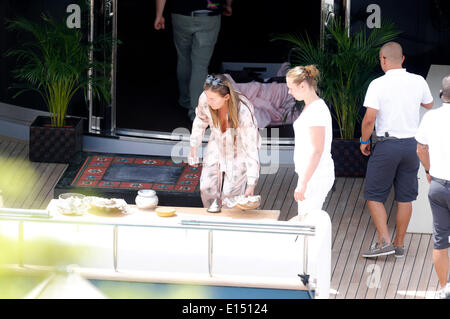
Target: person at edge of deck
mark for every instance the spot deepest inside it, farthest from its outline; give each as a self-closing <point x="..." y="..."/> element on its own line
<point x="313" y="135"/>
<point x="392" y="104"/>
<point x="433" y="150"/>
<point x="232" y="153"/>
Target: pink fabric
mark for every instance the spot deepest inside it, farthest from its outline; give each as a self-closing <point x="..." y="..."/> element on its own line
<point x="270" y="100"/>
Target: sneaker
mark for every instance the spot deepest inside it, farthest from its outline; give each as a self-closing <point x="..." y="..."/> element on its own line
<point x="399" y="251"/>
<point x="444" y="293"/>
<point x="379" y="250"/>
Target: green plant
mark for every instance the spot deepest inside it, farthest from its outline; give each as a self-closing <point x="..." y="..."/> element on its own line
<point x="347" y="65"/>
<point x="56" y="63"/>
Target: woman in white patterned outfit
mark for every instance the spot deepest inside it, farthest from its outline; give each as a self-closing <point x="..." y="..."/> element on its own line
<point x="232" y="154"/>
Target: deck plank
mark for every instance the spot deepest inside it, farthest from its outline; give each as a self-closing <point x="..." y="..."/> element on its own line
<point x="427" y="269"/>
<point x="418" y="266"/>
<point x="267" y="187"/>
<point x="12" y="167"/>
<point x="289" y="200"/>
<point x="284" y="194"/>
<point x="368" y="238"/>
<point x="18" y="166"/>
<point x="47" y="191"/>
<point x="260" y="183"/>
<point x="410" y="257"/>
<point x="351" y="247"/>
<point x="384" y="265"/>
<point x="275" y="189"/>
<point x="344" y="235"/>
<point x="335" y="197"/>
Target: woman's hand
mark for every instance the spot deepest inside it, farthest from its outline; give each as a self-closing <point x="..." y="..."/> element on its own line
<point x="299" y="194"/>
<point x="192" y="159"/>
<point x="250" y="190"/>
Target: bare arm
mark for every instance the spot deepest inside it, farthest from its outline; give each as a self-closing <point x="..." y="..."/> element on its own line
<point x="367" y="126"/>
<point x="428" y="106"/>
<point x="317" y="140"/>
<point x="159" y="20"/>
<point x="199" y="126"/>
<point x="424" y="156"/>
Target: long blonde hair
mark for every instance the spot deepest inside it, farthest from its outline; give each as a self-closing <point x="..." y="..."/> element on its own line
<point x="308" y="73"/>
<point x="224" y="87"/>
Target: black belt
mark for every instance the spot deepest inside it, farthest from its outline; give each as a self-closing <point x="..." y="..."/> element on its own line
<point x="199" y="13"/>
<point x="204" y="13"/>
<point x="386" y="138"/>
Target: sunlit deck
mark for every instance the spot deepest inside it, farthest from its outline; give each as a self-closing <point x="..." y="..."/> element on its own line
<point x="352" y="276"/>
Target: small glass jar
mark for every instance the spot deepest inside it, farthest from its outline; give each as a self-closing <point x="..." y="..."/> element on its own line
<point x="146" y="199"/>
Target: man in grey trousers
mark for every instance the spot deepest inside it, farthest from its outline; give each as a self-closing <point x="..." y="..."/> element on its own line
<point x="433" y="149"/>
<point x="196" y="25"/>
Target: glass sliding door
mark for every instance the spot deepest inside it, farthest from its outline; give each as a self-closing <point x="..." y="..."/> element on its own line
<point x="101" y="118"/>
<point x="146" y="85"/>
<point x="146" y="89"/>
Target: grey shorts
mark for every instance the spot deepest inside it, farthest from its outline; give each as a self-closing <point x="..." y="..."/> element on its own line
<point x="439" y="196"/>
<point x="393" y="163"/>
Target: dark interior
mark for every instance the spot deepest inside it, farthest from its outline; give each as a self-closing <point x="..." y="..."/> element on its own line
<point x="146" y="67"/>
<point x="146" y="90"/>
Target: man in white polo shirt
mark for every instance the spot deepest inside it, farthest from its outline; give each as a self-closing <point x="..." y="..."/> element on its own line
<point x="433" y="148"/>
<point x="393" y="107"/>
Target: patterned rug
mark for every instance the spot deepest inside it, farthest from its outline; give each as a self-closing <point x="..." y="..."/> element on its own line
<point x="112" y="175"/>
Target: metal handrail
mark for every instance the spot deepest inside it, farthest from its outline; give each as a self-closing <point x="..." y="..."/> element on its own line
<point x="303" y="230"/>
<point x="13" y="212"/>
<point x="30" y="215"/>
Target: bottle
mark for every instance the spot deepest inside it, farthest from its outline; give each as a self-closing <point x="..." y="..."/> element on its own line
<point x="146" y="199"/>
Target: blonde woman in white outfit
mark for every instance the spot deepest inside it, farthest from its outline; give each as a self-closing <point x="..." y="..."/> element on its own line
<point x="313" y="136"/>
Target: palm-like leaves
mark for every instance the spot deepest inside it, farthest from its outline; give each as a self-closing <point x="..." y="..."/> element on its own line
<point x="56" y="64"/>
<point x="347" y="65"/>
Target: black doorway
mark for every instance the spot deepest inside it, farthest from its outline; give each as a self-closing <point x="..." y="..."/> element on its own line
<point x="146" y="91"/>
<point x="146" y="82"/>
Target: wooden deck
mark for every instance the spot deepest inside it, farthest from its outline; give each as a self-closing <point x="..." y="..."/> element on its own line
<point x="352" y="229"/>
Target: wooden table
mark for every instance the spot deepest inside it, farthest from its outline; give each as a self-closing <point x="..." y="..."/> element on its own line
<point x="149" y="218"/>
<point x="225" y="213"/>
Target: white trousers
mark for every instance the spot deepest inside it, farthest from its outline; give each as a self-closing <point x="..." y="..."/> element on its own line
<point x="316" y="191"/>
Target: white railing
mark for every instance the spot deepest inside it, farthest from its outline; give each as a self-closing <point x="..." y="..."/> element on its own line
<point x="274" y="227"/>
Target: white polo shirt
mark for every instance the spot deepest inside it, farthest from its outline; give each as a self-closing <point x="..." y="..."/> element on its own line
<point x="397" y="96"/>
<point x="433" y="131"/>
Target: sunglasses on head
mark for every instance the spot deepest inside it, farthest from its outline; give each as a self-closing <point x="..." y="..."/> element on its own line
<point x="213" y="81"/>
